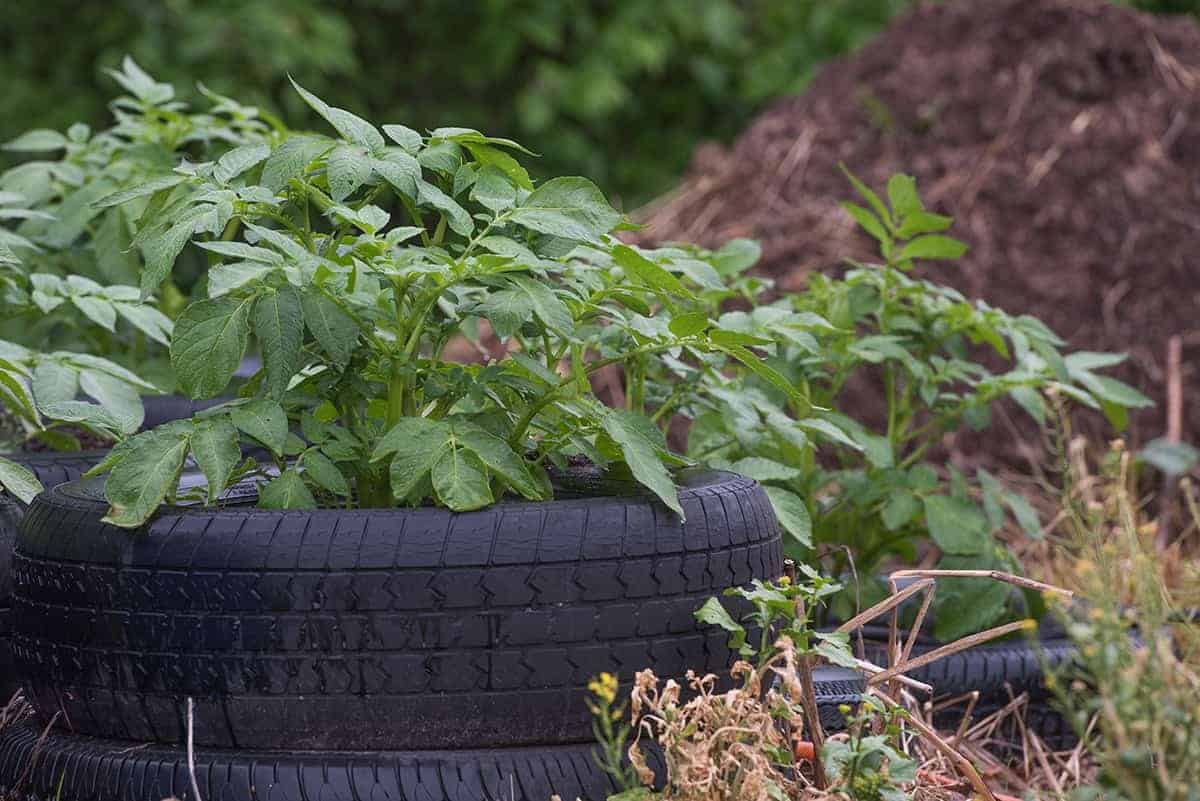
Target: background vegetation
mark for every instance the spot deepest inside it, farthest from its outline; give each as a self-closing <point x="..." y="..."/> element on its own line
<point x="620" y="91"/>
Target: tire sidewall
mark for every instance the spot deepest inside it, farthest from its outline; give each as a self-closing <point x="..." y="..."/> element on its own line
<point x="397" y="628"/>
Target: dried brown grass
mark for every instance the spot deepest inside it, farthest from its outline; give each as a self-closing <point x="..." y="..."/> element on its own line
<point x="725" y="745"/>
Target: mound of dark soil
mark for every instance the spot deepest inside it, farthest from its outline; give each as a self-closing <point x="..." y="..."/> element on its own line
<point x="1063" y="135"/>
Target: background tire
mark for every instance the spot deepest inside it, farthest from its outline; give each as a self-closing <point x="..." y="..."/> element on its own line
<point x="165" y="408"/>
<point x="1000" y="671"/>
<point x="369" y="629"/>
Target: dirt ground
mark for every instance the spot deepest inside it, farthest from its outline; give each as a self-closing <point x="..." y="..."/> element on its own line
<point x="1064" y="137"/>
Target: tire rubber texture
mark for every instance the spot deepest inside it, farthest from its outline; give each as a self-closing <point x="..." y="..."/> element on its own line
<point x="161" y="409"/>
<point x="71" y="767"/>
<point x="57" y="467"/>
<point x="77" y="768"/>
<point x="387" y="629"/>
<point x="51" y="469"/>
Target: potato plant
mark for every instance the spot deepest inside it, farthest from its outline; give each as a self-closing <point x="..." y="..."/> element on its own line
<point x="358" y="263"/>
<point x="59" y="377"/>
<point x="354" y="261"/>
<point x="70" y="265"/>
<point x="853" y="493"/>
<point x="69" y="211"/>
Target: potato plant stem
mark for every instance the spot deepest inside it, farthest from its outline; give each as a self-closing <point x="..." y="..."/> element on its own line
<point x="518" y="434"/>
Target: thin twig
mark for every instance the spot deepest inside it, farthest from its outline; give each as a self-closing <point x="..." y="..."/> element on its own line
<point x="992" y="721"/>
<point x="809" y="702"/>
<point x="916" y="628"/>
<point x="191" y="749"/>
<point x="972" y="700"/>
<point x="871" y="668"/>
<point x="36" y="752"/>
<point x="1040" y="754"/>
<point x="952" y="648"/>
<point x="884" y="606"/>
<point x="960" y="762"/>
<point x="1167" y="500"/>
<point x="998" y="575"/>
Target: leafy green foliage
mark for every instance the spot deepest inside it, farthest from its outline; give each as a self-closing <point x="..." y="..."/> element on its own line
<point x="137" y="485"/>
<point x="867" y="765"/>
<point x="877" y="488"/>
<point x="44" y="389"/>
<point x="1131" y="691"/>
<point x="354" y="260"/>
<point x="73" y="273"/>
<point x="619" y="91"/>
<point x="781" y="608"/>
<point x="18" y="480"/>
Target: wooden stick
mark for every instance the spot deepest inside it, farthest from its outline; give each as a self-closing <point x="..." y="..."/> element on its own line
<point x="871" y="668"/>
<point x="884" y="606"/>
<point x="990" y="723"/>
<point x="1174" y="388"/>
<point x="998" y="575"/>
<point x="1170" y="491"/>
<point x="953" y="648"/>
<point x="809" y="701"/>
<point x="1040" y="754"/>
<point x="965" y="723"/>
<point x="191" y="749"/>
<point x="917" y="624"/>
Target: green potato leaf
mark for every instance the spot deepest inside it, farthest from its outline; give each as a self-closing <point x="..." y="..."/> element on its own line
<point x="209" y="341"/>
<point x="216" y="451"/>
<point x="286" y="491"/>
<point x="641" y="453"/>
<point x="278" y="322"/>
<point x="956" y="525"/>
<point x="147" y="471"/>
<point x="18" y="480"/>
<point x="264" y="420"/>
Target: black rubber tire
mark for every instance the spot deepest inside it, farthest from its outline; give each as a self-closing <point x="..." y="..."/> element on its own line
<point x="69" y="767"/>
<point x="50" y="469"/>
<point x="57" y="467"/>
<point x="373" y="629"/>
<point x="53" y="468"/>
<point x="991" y="668"/>
<point x="165" y="408"/>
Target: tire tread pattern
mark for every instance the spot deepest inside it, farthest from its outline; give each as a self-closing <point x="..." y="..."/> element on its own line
<point x="51" y="469"/>
<point x="79" y="768"/>
<point x="372" y="628"/>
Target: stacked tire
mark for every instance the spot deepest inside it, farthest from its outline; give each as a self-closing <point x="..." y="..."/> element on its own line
<point x="383" y="653"/>
<point x="50" y="469"/>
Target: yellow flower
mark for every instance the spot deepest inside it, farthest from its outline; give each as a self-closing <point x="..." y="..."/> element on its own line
<point x="604" y="687"/>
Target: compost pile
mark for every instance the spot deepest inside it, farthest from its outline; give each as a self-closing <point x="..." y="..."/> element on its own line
<point x="1063" y="136"/>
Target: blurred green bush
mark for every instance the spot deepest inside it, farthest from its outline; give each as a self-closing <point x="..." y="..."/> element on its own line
<point x="620" y="89"/>
<point x="1166" y="6"/>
